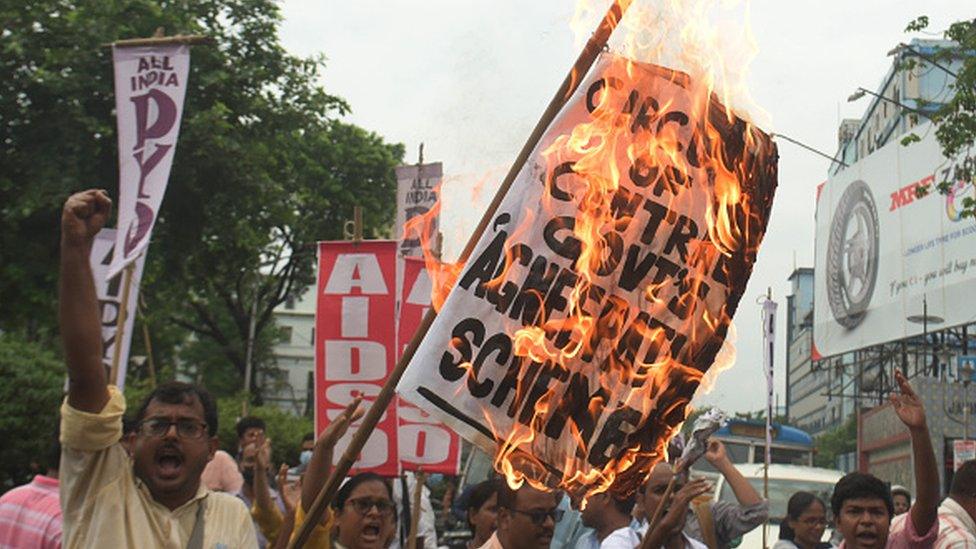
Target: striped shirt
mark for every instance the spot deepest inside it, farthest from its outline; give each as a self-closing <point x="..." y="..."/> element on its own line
<point x="30" y="516"/>
<point x="957" y="530"/>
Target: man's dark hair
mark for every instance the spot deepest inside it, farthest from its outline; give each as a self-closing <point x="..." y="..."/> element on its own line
<point x="346" y="489"/>
<point x="506" y="496"/>
<point x="249" y="422"/>
<point x="308" y="437"/>
<point x="860" y="485"/>
<point x="964" y="481"/>
<point x="481" y="493"/>
<point x="625" y="505"/>
<point x="177" y="392"/>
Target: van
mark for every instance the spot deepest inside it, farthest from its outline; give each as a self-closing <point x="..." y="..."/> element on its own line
<point x="784" y="481"/>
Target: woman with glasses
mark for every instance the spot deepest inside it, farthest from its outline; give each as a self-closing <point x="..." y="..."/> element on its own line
<point x="804" y="524"/>
<point x="365" y="513"/>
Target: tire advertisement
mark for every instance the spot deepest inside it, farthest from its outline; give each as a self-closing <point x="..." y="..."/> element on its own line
<point x="882" y="246"/>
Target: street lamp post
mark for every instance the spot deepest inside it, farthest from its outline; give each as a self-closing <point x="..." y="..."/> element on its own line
<point x="860" y="92"/>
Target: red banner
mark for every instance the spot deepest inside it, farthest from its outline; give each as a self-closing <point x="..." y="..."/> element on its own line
<point x="355" y="341"/>
<point x="423" y="441"/>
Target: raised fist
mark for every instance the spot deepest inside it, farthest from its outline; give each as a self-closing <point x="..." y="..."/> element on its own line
<point x="84" y="214"/>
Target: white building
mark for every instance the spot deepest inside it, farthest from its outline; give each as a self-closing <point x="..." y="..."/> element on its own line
<point x="291" y="386"/>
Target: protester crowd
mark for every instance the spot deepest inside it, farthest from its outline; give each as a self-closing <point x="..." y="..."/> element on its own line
<point x="159" y="479"/>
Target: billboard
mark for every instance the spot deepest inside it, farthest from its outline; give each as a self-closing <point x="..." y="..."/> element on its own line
<point x="881" y="249"/>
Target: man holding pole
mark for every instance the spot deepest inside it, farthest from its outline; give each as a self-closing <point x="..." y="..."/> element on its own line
<point x="146" y="493"/>
<point x="717" y="524"/>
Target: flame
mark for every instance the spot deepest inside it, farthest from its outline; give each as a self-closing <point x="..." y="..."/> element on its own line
<point x="715" y="151"/>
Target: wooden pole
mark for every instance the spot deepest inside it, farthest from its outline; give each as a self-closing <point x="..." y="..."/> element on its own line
<point x="120" y="323"/>
<point x="582" y="66"/>
<point x="158" y="39"/>
<point x="418" y="489"/>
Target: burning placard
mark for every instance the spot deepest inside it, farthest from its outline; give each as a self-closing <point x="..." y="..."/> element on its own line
<point x="603" y="287"/>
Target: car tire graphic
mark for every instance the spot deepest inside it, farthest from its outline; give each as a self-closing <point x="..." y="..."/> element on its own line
<point x="852" y="255"/>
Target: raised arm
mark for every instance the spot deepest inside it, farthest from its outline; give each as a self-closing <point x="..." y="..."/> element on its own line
<point x="911" y="412"/>
<point x="84" y="214"/>
<point x="320" y="465"/>
<point x="262" y="492"/>
<point x="744" y="492"/>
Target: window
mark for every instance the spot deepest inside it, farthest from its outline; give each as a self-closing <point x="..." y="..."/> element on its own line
<point x="290" y="304"/>
<point x="286" y="334"/>
<point x="311" y="338"/>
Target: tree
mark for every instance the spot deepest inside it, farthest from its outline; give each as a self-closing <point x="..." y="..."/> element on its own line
<point x="832" y="444"/>
<point x="33" y="379"/>
<point x="955" y="120"/>
<point x="264" y="166"/>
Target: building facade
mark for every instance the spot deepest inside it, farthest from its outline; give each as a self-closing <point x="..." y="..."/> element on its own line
<point x="914" y="88"/>
<point x="290" y="386"/>
<point x="816" y="400"/>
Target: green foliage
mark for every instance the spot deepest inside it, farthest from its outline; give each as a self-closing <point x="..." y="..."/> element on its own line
<point x="830" y="445"/>
<point x="30" y="394"/>
<point x="955" y="120"/>
<point x="264" y="168"/>
<point x="284" y="429"/>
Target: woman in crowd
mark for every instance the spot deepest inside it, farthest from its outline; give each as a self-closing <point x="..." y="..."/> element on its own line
<point x="804" y="524"/>
<point x="482" y="512"/>
<point x="365" y="514"/>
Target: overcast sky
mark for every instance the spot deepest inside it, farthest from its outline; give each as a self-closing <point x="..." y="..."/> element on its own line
<point x="470" y="79"/>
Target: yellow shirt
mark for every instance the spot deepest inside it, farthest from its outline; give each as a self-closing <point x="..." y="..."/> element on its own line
<point x="103" y="504"/>
<point x="321" y="536"/>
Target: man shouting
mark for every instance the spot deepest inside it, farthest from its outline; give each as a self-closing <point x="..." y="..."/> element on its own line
<point x="145" y="490"/>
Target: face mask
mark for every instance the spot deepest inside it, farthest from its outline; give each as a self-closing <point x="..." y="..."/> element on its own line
<point x="305" y="457"/>
<point x="248" y="475"/>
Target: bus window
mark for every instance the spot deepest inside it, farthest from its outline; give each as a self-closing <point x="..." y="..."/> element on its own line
<point x="789" y="456"/>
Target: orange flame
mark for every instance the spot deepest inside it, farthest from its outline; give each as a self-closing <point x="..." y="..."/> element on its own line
<point x="707" y="148"/>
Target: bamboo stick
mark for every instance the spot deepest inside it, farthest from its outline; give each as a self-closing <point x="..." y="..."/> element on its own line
<point x="120" y="323"/>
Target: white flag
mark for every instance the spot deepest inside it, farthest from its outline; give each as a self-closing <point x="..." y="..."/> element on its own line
<point x="109" y="292"/>
<point x="769" y="338"/>
<point x="150" y="84"/>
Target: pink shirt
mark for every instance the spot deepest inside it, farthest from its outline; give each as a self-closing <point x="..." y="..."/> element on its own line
<point x="902" y="534"/>
<point x="957" y="530"/>
<point x="30" y="515"/>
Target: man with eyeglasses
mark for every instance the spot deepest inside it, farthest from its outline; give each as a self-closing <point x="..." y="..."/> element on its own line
<point x="527" y="518"/>
<point x="147" y="492"/>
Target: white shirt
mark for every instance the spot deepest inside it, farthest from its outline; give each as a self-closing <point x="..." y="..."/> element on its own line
<point x="621" y="538"/>
<point x="689" y="542"/>
<point x="425" y="527"/>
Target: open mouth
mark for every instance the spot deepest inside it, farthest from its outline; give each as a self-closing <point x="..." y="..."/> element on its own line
<point x="169" y="462"/>
<point x="867" y="539"/>
<point x="371" y="532"/>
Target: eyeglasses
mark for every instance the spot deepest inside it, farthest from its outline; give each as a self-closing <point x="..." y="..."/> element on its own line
<point x="363" y="506"/>
<point x="185" y="428"/>
<point x="814" y="522"/>
<point x="539" y="516"/>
